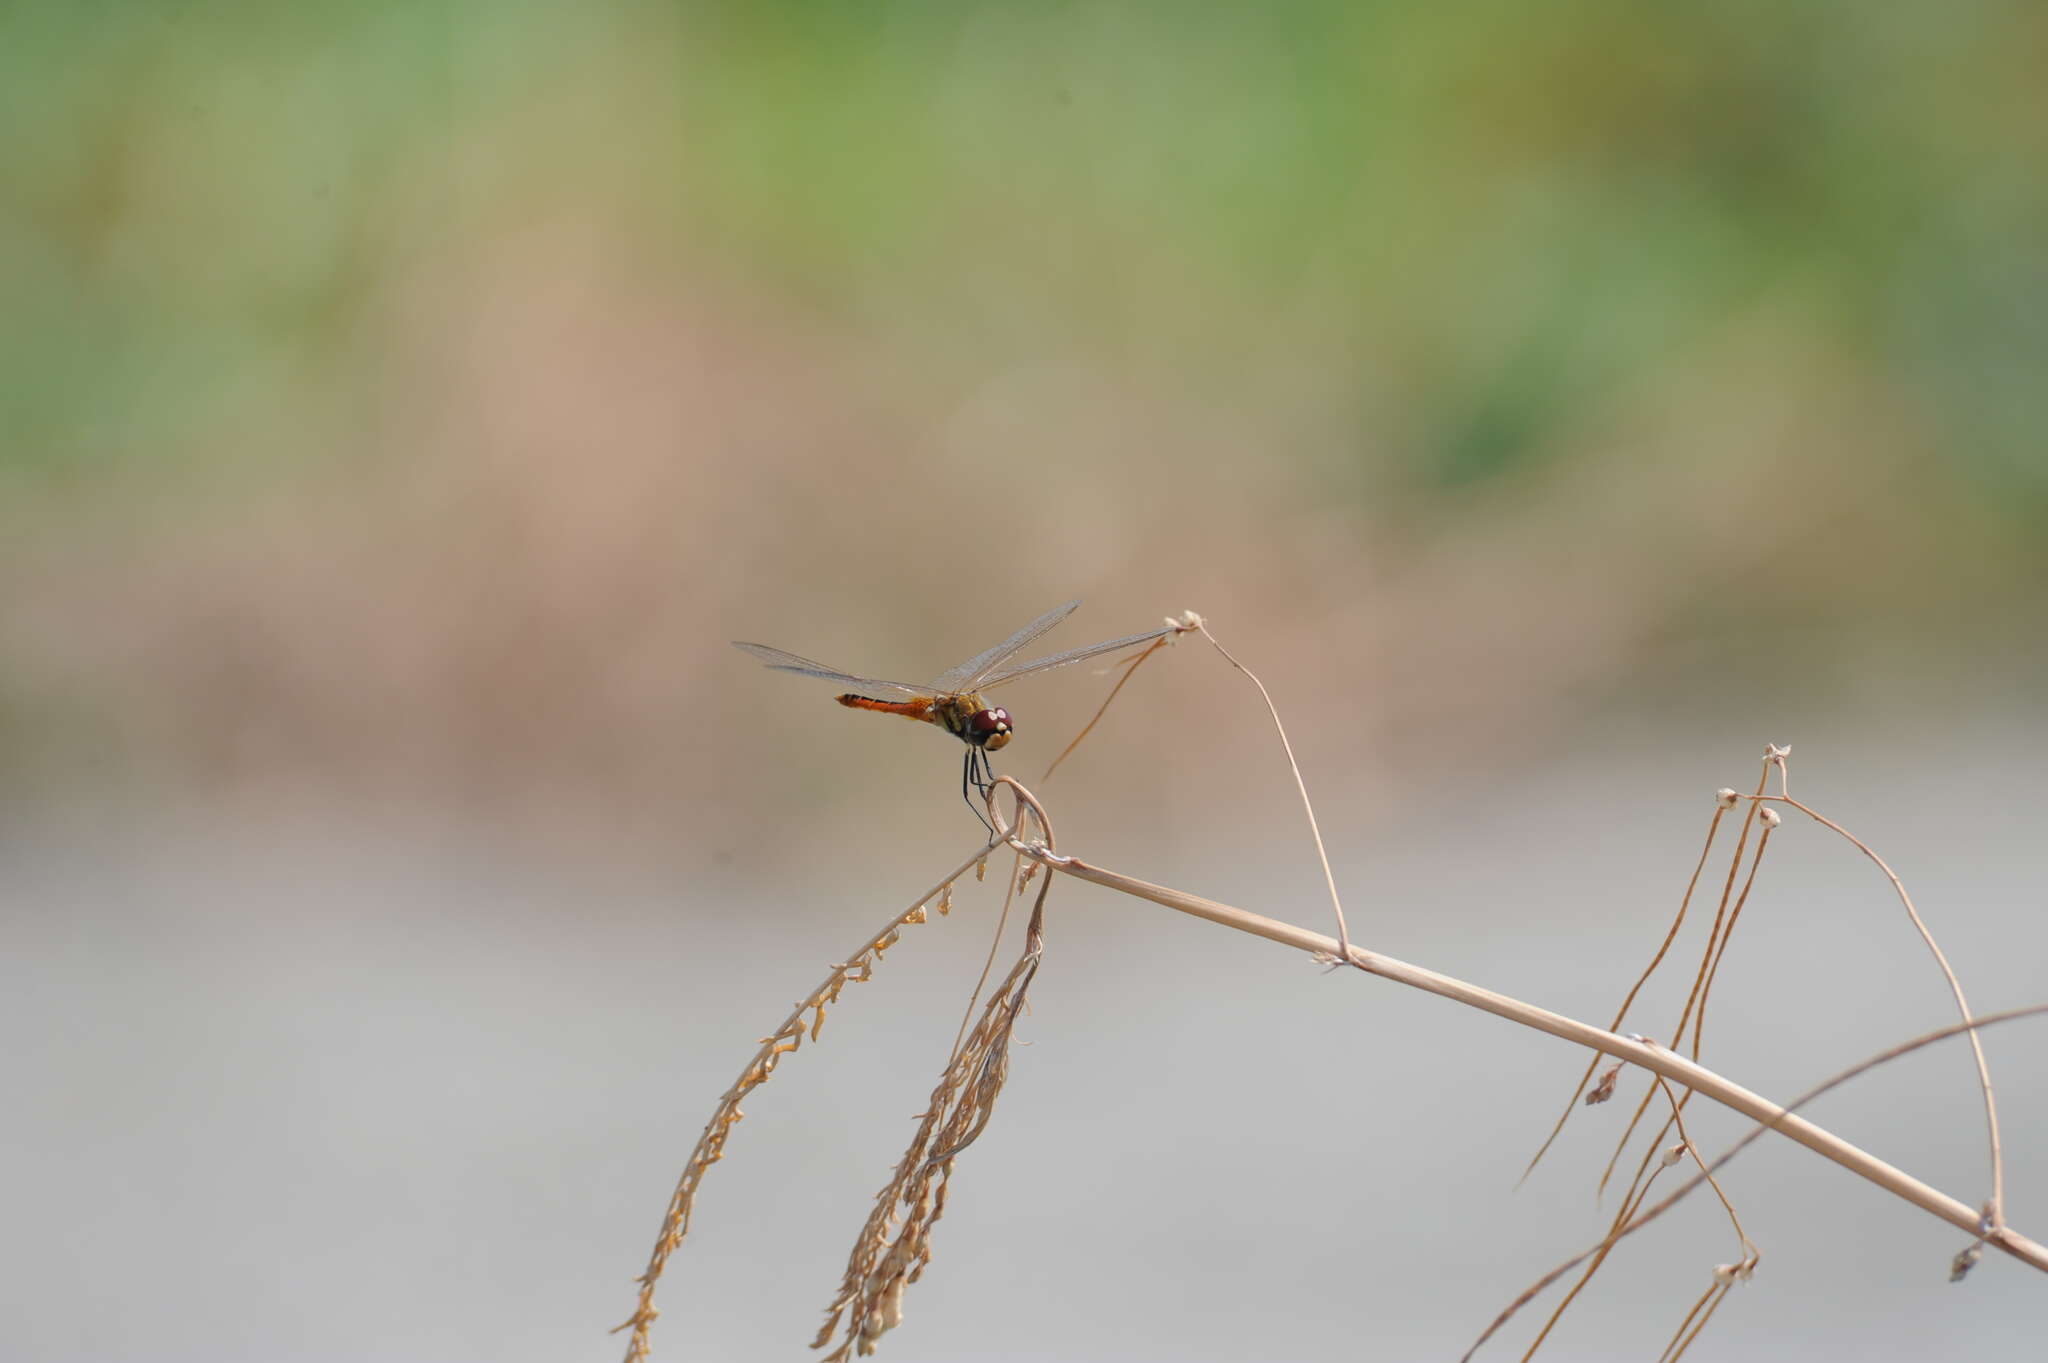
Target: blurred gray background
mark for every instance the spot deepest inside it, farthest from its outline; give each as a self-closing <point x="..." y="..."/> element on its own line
<point x="407" y="402"/>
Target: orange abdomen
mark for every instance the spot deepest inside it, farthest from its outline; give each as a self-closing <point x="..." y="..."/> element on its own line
<point x="920" y="709"/>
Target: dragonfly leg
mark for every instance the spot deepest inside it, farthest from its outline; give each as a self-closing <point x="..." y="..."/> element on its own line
<point x="976" y="778"/>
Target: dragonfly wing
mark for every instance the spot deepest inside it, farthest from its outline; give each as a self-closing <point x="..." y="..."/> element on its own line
<point x="969" y="675"/>
<point x="804" y="667"/>
<point x="1072" y="655"/>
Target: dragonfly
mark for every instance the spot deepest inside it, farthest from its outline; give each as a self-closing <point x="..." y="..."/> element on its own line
<point x="955" y="700"/>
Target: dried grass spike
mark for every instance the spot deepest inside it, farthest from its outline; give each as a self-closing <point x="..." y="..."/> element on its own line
<point x="710" y="1147"/>
<point x="894" y="1244"/>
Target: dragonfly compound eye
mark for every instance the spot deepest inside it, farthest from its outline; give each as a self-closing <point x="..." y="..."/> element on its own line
<point x="990" y="728"/>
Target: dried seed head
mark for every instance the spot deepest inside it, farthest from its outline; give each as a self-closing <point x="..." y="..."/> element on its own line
<point x="1735" y="1273"/>
<point x="1673" y="1155"/>
<point x="1771" y="818"/>
<point x="1775" y="753"/>
<point x="1960" y="1266"/>
<point x="1604" y="1090"/>
<point x="1726" y="798"/>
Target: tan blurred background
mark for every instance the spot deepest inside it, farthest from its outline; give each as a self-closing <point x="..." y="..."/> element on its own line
<point x="406" y="403"/>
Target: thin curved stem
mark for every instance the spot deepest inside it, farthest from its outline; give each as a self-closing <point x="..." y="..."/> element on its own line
<point x="1997" y="1207"/>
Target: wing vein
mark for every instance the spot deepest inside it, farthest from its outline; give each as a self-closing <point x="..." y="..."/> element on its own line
<point x="783" y="661"/>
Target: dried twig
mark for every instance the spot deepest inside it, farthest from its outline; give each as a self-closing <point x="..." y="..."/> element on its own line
<point x="1130" y="667"/>
<point x="1723" y="802"/>
<point x="1678" y="1069"/>
<point x="1691" y="999"/>
<point x="1995" y="1209"/>
<point x="2003" y="1237"/>
<point x="1315" y="831"/>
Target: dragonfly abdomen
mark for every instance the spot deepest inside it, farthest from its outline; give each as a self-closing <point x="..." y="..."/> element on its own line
<point x="920" y="709"/>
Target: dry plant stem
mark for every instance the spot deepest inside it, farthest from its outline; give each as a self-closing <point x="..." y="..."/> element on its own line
<point x="1703" y="984"/>
<point x="1638" y="1192"/>
<point x="1710" y="963"/>
<point x="1711" y="1299"/>
<point x="1628" y="1209"/>
<point x="1718" y="1294"/>
<point x="895" y="1243"/>
<point x="1679" y="1339"/>
<point x="1329" y="877"/>
<point x="1621" y="1013"/>
<point x="1720" y="916"/>
<point x="1685" y="1014"/>
<point x="1130" y="668"/>
<point x="988" y="963"/>
<point x="710" y="1147"/>
<point x="2013" y="1243"/>
<point x="1996" y="1212"/>
<point x="1749" y="1253"/>
<point x="1672" y="1066"/>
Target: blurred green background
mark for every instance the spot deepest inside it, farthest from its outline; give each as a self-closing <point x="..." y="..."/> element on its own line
<point x="404" y="403"/>
<point x="391" y="386"/>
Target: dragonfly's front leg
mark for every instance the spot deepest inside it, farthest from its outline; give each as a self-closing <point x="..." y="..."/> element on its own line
<point x="976" y="777"/>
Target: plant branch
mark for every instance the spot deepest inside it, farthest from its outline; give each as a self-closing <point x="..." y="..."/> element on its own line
<point x="1654" y="1058"/>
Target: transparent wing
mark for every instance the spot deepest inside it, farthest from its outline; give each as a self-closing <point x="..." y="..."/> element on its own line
<point x="1072" y="655"/>
<point x="971" y="674"/>
<point x="804" y="667"/>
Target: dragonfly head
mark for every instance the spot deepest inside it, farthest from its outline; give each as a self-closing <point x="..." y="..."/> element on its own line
<point x="989" y="729"/>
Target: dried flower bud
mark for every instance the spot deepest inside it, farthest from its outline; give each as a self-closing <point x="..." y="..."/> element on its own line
<point x="1673" y="1155"/>
<point x="1604" y="1090"/>
<point x="1726" y="798"/>
<point x="1771" y="818"/>
<point x="1960" y="1266"/>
